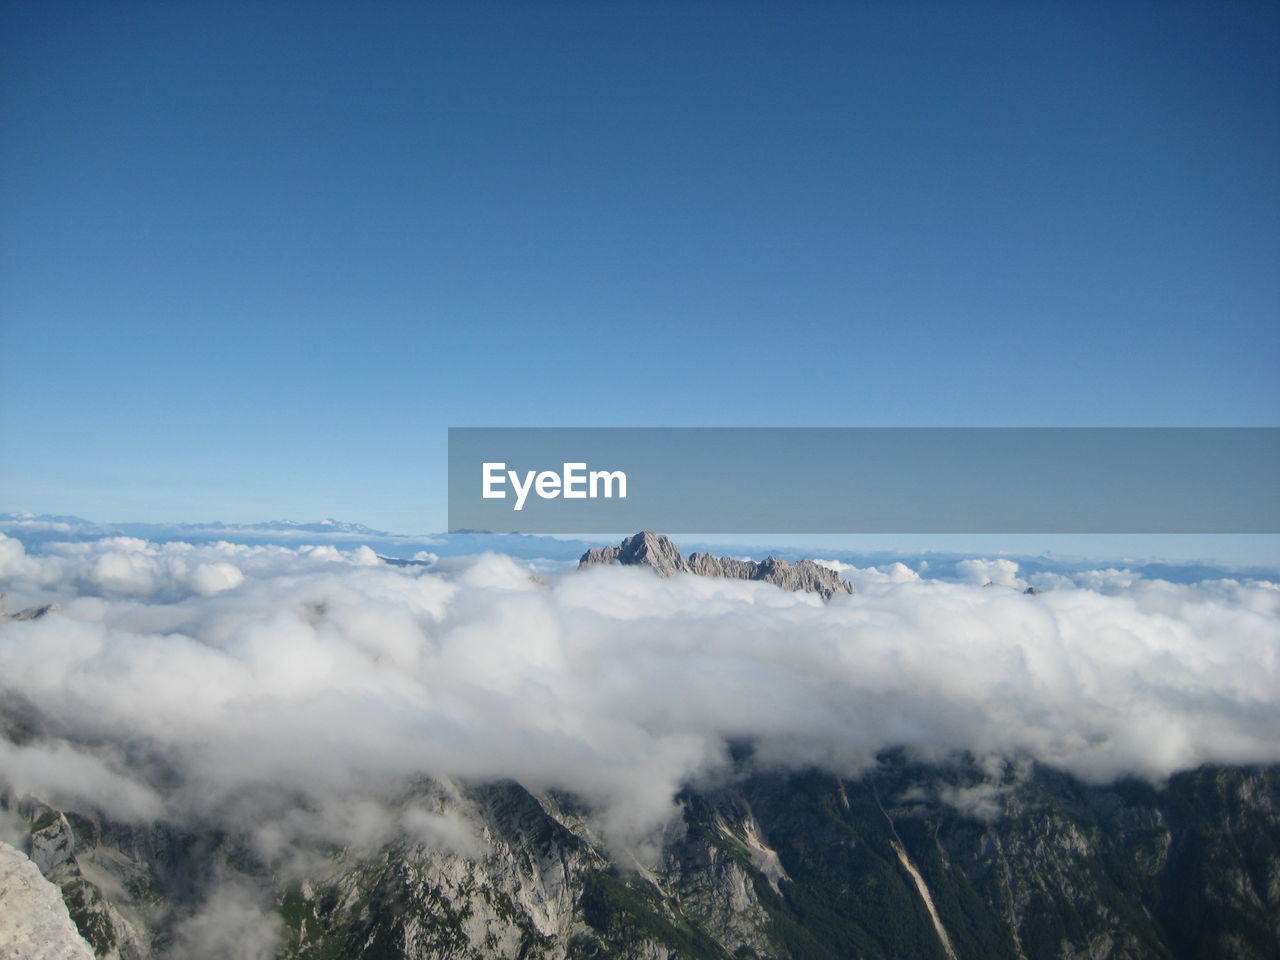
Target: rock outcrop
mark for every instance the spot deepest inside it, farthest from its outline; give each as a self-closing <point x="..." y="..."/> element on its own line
<point x="34" y="923"/>
<point x="30" y="613"/>
<point x="657" y="551"/>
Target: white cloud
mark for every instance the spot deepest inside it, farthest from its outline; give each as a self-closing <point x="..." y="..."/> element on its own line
<point x="870" y="578"/>
<point x="1107" y="580"/>
<point x="1001" y="572"/>
<point x="447" y="830"/>
<point x="59" y="772"/>
<point x="234" y="922"/>
<point x="981" y="800"/>
<point x="21" y="522"/>
<point x="320" y="674"/>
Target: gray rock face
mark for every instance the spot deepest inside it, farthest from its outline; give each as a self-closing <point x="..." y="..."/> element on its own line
<point x="657" y="551"/>
<point x="34" y="923"/>
<point x="30" y="613"/>
<point x="67" y="860"/>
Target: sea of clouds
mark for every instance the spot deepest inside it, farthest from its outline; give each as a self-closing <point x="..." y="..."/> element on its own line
<point x="185" y="681"/>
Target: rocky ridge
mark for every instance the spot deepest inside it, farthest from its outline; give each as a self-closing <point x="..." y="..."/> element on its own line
<point x="658" y="552"/>
<point x="34" y="922"/>
<point x="30" y="613"/>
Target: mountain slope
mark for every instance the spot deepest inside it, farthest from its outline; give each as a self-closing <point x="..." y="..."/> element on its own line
<point x="658" y="552"/>
<point x="799" y="865"/>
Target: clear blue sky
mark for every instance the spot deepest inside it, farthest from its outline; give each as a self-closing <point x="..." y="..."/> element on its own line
<point x="257" y="258"/>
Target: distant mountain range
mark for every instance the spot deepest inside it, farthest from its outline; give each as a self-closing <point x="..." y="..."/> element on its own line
<point x="35" y="529"/>
<point x="322" y="526"/>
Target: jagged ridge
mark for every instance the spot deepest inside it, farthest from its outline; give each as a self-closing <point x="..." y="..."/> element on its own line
<point x="657" y="551"/>
<point x="30" y="613"/>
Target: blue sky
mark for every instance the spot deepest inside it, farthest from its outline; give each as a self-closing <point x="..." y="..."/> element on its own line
<point x="257" y="258"/>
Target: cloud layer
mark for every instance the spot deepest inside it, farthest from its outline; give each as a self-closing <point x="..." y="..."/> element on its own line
<point x="261" y="674"/>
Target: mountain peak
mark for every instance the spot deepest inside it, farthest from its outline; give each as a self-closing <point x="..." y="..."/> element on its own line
<point x="655" y="550"/>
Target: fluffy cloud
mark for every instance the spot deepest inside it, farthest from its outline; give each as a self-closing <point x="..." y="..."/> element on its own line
<point x="62" y="770"/>
<point x="1001" y="572"/>
<point x="116" y="567"/>
<point x="260" y="674"/>
<point x="871" y="578"/>
<point x="233" y="922"/>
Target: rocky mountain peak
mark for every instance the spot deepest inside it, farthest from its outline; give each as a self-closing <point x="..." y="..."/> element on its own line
<point x="657" y="551"/>
<point x="653" y="550"/>
<point x="30" y="613"/>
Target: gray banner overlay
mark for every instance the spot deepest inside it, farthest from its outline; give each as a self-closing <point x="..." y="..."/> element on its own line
<point x="866" y="480"/>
